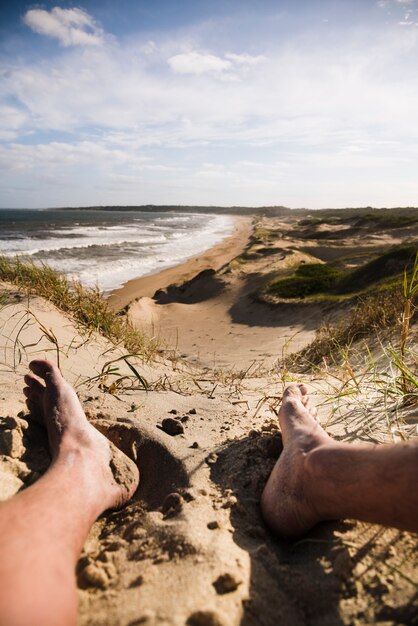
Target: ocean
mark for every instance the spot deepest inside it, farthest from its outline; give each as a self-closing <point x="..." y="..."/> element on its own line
<point x="108" y="248"/>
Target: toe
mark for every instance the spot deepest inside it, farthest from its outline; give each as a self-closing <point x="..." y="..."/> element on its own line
<point x="33" y="393"/>
<point x="309" y="405"/>
<point x="303" y="389"/>
<point x="306" y="401"/>
<point x="295" y="391"/>
<point x="46" y="370"/>
<point x="33" y="383"/>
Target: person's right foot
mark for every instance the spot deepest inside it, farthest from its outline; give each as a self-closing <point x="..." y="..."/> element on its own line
<point x="288" y="502"/>
<point x="111" y="477"/>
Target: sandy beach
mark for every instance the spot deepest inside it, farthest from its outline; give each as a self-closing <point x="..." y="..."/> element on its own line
<point x="191" y="548"/>
<point x="213" y="258"/>
<point x="205" y="311"/>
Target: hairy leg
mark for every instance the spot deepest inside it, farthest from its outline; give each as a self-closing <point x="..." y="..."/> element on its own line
<point x="43" y="528"/>
<point x="317" y="478"/>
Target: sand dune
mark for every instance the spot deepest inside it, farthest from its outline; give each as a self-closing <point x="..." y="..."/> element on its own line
<point x="191" y="548"/>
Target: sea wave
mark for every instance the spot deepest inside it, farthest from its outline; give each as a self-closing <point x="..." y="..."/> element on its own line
<point x="109" y="254"/>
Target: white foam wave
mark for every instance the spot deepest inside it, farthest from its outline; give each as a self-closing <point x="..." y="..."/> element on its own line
<point x="173" y="252"/>
<point x="135" y="249"/>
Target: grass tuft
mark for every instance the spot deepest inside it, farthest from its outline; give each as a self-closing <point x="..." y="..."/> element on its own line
<point x="85" y="304"/>
<point x="309" y="279"/>
<point x="388" y="265"/>
<point x="331" y="283"/>
<point x="376" y="311"/>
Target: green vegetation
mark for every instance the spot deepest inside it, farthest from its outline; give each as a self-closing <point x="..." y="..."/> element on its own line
<point x="376" y="311"/>
<point x="320" y="279"/>
<point x="263" y="235"/>
<point x="309" y="279"/>
<point x="388" y="265"/>
<point x="385" y="309"/>
<point x="86" y="305"/>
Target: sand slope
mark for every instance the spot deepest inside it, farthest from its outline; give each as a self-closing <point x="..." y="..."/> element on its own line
<point x="191" y="547"/>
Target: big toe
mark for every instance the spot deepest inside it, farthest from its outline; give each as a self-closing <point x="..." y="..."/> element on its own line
<point x="295" y="391"/>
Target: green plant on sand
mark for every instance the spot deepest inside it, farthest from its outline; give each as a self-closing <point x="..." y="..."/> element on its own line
<point x="370" y="380"/>
<point x="309" y="279"/>
<point x="85" y="304"/>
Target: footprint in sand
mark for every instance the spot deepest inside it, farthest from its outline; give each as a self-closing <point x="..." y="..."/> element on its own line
<point x="157" y="559"/>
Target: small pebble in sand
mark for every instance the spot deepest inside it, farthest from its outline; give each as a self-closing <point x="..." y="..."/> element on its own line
<point x="192" y="412"/>
<point x="226" y="583"/>
<point x="93" y="576"/>
<point x="185" y="418"/>
<point x="213" y="525"/>
<point x="173" y="411"/>
<point x="212" y="458"/>
<point x="172" y="426"/>
<point x="172" y="505"/>
<point x="137" y="582"/>
<point x="194" y="444"/>
<point x="204" y="618"/>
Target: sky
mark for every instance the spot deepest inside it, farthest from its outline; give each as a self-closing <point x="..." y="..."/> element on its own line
<point x="209" y="102"/>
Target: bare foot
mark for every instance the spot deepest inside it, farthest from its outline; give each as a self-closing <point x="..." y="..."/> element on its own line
<point x="288" y="504"/>
<point x="110" y="477"/>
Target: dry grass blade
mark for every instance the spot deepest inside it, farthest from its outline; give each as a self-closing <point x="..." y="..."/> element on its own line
<point x="86" y="305"/>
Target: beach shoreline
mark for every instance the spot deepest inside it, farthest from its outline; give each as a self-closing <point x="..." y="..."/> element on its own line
<point x="212" y="258"/>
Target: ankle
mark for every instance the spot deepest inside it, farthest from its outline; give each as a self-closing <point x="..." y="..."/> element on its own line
<point x="319" y="467"/>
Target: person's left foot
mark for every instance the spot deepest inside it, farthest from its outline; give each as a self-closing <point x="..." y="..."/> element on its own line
<point x="110" y="475"/>
<point x="288" y="502"/>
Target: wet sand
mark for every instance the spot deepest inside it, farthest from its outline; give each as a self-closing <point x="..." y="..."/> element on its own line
<point x="214" y="258"/>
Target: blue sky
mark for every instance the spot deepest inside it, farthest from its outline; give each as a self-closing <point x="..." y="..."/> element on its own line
<point x="226" y="102"/>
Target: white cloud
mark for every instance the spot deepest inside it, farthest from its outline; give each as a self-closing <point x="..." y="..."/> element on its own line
<point x="72" y="27"/>
<point x="55" y="154"/>
<point x="324" y="110"/>
<point x="296" y="95"/>
<point x="198" y="63"/>
<point x="11" y="121"/>
<point x="195" y="62"/>
<point x="245" y="59"/>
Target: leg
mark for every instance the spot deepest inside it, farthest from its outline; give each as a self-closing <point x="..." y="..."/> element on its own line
<point x="317" y="478"/>
<point x="42" y="529"/>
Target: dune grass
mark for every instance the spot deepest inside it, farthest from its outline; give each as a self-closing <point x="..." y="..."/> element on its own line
<point x="389" y="308"/>
<point x="387" y="265"/>
<point x="86" y="305"/>
<point x="377" y="311"/>
<point x="325" y="281"/>
<point x="309" y="279"/>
